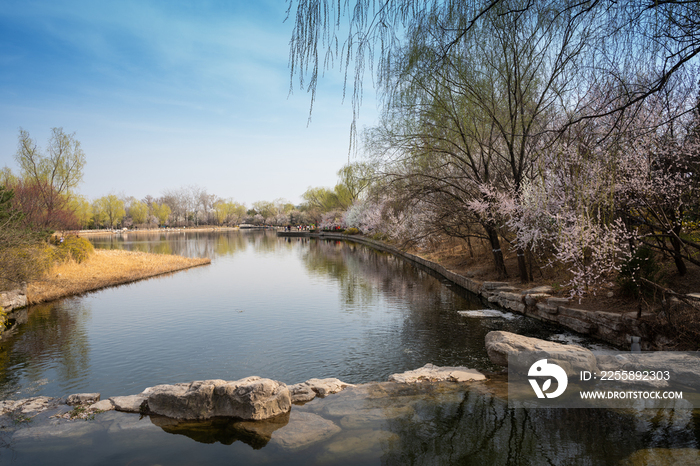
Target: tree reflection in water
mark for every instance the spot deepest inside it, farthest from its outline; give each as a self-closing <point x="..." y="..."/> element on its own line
<point x="52" y="340"/>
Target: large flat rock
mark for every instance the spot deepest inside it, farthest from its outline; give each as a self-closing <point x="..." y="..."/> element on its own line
<point x="28" y="405"/>
<point x="431" y="373"/>
<point x="572" y="358"/>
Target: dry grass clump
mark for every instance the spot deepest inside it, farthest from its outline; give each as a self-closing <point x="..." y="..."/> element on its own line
<point x="104" y="268"/>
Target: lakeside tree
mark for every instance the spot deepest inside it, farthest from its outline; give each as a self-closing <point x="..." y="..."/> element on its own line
<point x="82" y="209"/>
<point x="110" y="210"/>
<point x="229" y="212"/>
<point x="629" y="38"/>
<point x="20" y="258"/>
<point x="356" y="177"/>
<point x="49" y="178"/>
<point x="161" y="212"/>
<point x="467" y="120"/>
<point x="139" y="212"/>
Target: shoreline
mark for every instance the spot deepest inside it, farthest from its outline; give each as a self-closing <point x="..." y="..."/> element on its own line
<point x="103" y="269"/>
<point x="539" y="302"/>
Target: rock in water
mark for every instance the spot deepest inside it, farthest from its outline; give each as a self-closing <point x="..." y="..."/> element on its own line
<point x="572" y="358"/>
<point x="251" y="398"/>
<point x="307" y="391"/>
<point x="82" y="399"/>
<point x="130" y="404"/>
<point x="431" y="373"/>
<point x="303" y="430"/>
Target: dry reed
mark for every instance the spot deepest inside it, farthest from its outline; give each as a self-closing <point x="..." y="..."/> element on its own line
<point x="102" y="269"/>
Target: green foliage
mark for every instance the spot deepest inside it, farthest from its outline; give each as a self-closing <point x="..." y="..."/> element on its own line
<point x="161" y="212"/>
<point x="72" y="247"/>
<point x="352" y="231"/>
<point x="50" y="178"/>
<point x="22" y="254"/>
<point x="139" y="212"/>
<point x="82" y="209"/>
<point x="109" y="210"/>
<point x="641" y="265"/>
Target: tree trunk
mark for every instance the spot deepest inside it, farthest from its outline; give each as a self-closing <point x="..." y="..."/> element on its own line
<point x="522" y="266"/>
<point x="498" y="261"/>
<point x="677" y="257"/>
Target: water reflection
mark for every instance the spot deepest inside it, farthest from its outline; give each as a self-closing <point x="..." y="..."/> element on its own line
<point x="257" y="434"/>
<point x="386" y="423"/>
<point x="51" y="345"/>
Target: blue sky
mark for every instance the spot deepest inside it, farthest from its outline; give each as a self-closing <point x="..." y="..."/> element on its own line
<point x="165" y="94"/>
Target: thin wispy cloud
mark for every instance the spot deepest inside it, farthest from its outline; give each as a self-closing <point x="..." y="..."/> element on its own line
<point x="164" y="94"/>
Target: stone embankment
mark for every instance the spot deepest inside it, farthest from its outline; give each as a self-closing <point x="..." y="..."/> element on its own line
<point x="15" y="299"/>
<point x="539" y="303"/>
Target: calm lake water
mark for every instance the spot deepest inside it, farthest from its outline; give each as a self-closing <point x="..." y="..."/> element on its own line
<point x="292" y="309"/>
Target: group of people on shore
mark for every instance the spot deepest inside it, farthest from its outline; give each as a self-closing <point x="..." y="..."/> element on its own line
<point x="299" y="227"/>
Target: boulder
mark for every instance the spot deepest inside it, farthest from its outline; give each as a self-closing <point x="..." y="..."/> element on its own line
<point x="104" y="405"/>
<point x="82" y="399"/>
<point x="307" y="391"/>
<point x="431" y="373"/>
<point x="14" y="299"/>
<point x="572" y="358"/>
<point x="130" y="404"/>
<point x="301" y="393"/>
<point x="251" y="398"/>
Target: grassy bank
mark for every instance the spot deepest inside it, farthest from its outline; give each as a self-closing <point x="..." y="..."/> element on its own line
<point x="104" y="268"/>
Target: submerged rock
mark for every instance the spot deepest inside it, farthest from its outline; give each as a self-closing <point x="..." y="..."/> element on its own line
<point x="572" y="358"/>
<point x="251" y="398"/>
<point x="431" y="373"/>
<point x="357" y="444"/>
<point x="303" y="430"/>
